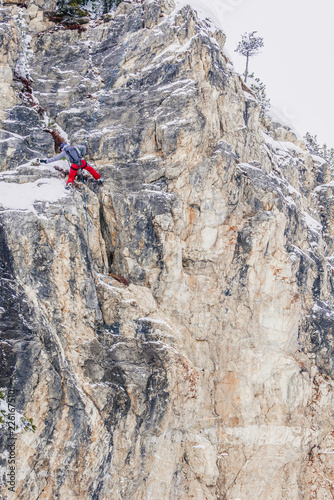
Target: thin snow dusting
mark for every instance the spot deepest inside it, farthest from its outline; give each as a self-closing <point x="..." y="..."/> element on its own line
<point x="275" y="144"/>
<point x="324" y="186"/>
<point x="292" y="147"/>
<point x="22" y="64"/>
<point x="148" y="157"/>
<point x="247" y="165"/>
<point x="318" y="159"/>
<point x="157" y="321"/>
<point x="312" y="223"/>
<point x="292" y="190"/>
<point x="172" y="48"/>
<point x="23" y="196"/>
<point x="205" y="10"/>
<point x="185" y="83"/>
<point x="316" y="308"/>
<point x="72" y="110"/>
<point x="278" y="116"/>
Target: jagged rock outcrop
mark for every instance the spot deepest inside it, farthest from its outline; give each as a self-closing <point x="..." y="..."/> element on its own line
<point x="192" y="357"/>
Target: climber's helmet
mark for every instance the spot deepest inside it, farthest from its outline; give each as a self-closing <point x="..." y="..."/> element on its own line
<point x="61" y="147"/>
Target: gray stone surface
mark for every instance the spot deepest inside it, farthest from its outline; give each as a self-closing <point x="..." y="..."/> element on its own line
<point x="188" y="353"/>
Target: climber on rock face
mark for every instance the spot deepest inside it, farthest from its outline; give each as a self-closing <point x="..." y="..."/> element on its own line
<point x="74" y="155"/>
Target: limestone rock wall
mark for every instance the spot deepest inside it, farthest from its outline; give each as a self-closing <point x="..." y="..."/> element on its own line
<point x="192" y="356"/>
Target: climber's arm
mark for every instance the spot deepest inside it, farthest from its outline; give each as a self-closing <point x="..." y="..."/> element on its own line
<point x="61" y="156"/>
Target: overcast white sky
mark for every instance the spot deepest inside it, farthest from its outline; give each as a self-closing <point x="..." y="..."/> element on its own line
<point x="297" y="62"/>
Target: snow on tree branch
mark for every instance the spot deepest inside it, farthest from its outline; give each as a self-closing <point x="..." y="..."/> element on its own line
<point x="323" y="151"/>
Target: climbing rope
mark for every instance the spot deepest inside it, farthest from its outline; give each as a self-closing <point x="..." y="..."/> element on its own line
<point x="91" y="126"/>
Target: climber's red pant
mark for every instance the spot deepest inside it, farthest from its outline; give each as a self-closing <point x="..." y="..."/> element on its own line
<point x="74" y="170"/>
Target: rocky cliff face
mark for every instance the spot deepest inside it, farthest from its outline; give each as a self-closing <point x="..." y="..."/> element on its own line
<point x="192" y="357"/>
